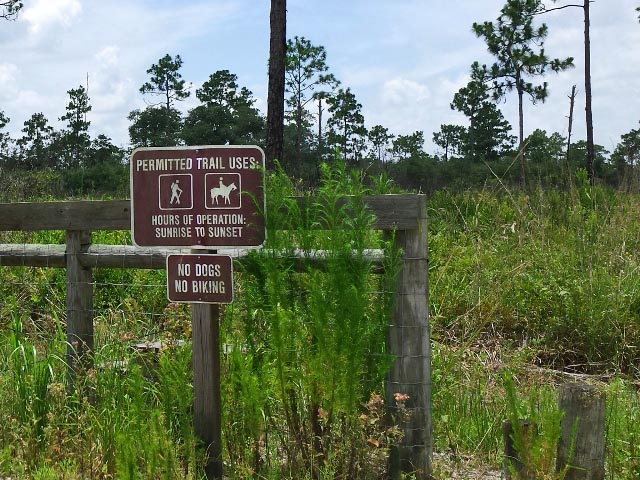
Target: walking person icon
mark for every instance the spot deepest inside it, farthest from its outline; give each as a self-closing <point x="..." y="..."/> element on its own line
<point x="176" y="192"/>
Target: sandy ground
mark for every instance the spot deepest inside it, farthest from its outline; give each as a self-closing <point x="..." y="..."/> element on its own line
<point x="445" y="468"/>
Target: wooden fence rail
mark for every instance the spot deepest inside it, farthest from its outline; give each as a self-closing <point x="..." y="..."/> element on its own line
<point x="392" y="212"/>
<point x="408" y="337"/>
<point x="127" y="256"/>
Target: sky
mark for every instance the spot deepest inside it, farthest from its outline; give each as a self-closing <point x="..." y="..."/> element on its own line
<point x="404" y="59"/>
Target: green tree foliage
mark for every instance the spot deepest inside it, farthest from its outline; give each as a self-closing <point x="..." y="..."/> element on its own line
<point x="66" y="162"/>
<point x="306" y="79"/>
<point x="321" y="98"/>
<point x="103" y="152"/>
<point x="451" y="138"/>
<point x="88" y="166"/>
<point x="4" y="139"/>
<point x="413" y="168"/>
<point x="9" y="9"/>
<point x="418" y="174"/>
<point x="546" y="156"/>
<point x="77" y="109"/>
<point x="511" y="40"/>
<point x="409" y="146"/>
<point x="380" y="138"/>
<point x="166" y="81"/>
<point x="75" y="140"/>
<point x="578" y="154"/>
<point x="543" y="148"/>
<point x="104" y="170"/>
<point x="488" y="133"/>
<point x="34" y="145"/>
<point x="626" y="158"/>
<point x="227" y="114"/>
<point x="346" y="125"/>
<point x="154" y="127"/>
<point x="307" y="168"/>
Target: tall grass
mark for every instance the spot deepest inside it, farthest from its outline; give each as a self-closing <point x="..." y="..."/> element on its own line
<point x="557" y="271"/>
<point x="304" y="359"/>
<point x="524" y="286"/>
<point x="308" y="348"/>
<point x="532" y="283"/>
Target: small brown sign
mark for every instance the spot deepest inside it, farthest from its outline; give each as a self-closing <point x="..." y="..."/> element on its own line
<point x="200" y="278"/>
<point x="198" y="197"/>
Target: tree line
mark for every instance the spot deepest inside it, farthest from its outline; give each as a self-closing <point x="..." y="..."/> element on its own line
<point x="323" y="121"/>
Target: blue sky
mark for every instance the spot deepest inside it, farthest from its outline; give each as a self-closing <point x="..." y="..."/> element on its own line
<point x="403" y="59"/>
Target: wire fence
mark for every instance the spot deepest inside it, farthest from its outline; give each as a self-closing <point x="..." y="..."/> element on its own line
<point x="129" y="310"/>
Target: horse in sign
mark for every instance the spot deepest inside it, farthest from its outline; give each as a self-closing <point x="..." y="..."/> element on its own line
<point x="222" y="191"/>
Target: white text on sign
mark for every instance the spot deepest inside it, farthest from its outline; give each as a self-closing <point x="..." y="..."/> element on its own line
<point x="201" y="163"/>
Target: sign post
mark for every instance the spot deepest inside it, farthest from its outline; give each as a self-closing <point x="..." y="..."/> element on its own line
<point x="207" y="404"/>
<point x="202" y="198"/>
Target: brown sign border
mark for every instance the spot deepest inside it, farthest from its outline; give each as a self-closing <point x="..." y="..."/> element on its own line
<point x="205" y="246"/>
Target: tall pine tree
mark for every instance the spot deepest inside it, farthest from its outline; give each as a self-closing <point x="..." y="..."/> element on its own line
<point x="275" y="94"/>
<point x="518" y="48"/>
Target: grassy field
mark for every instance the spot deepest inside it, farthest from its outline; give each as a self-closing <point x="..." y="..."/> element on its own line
<point x="527" y="290"/>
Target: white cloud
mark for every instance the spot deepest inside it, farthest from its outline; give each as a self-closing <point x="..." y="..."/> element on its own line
<point x="44" y="13"/>
<point x="7" y="74"/>
<point x="109" y="56"/>
<point x="401" y="91"/>
<point x="31" y="101"/>
<point x="400" y="104"/>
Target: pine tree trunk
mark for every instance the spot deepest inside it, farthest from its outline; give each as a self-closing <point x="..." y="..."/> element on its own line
<point x="587" y="92"/>
<point x="521" y="137"/>
<point x="572" y="102"/>
<point x="275" y="100"/>
<point x="320" y="146"/>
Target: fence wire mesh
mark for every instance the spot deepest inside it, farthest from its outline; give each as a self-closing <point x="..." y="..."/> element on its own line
<point x="278" y="381"/>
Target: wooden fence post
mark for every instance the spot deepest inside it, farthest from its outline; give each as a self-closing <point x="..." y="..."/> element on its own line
<point x="581" y="444"/>
<point x="207" y="422"/>
<point x="409" y="342"/>
<point x="79" y="305"/>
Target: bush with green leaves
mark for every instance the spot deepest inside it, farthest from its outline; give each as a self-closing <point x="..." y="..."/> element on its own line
<point x="308" y="348"/>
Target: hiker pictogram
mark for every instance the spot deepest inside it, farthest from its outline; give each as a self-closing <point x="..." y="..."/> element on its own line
<point x="175" y="191"/>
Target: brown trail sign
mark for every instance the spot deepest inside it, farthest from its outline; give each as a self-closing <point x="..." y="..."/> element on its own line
<point x="198" y="197"/>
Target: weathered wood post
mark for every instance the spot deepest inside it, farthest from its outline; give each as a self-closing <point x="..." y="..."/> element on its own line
<point x="581" y="444"/>
<point x="207" y="407"/>
<point x="409" y="342"/>
<point x="79" y="305"/>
